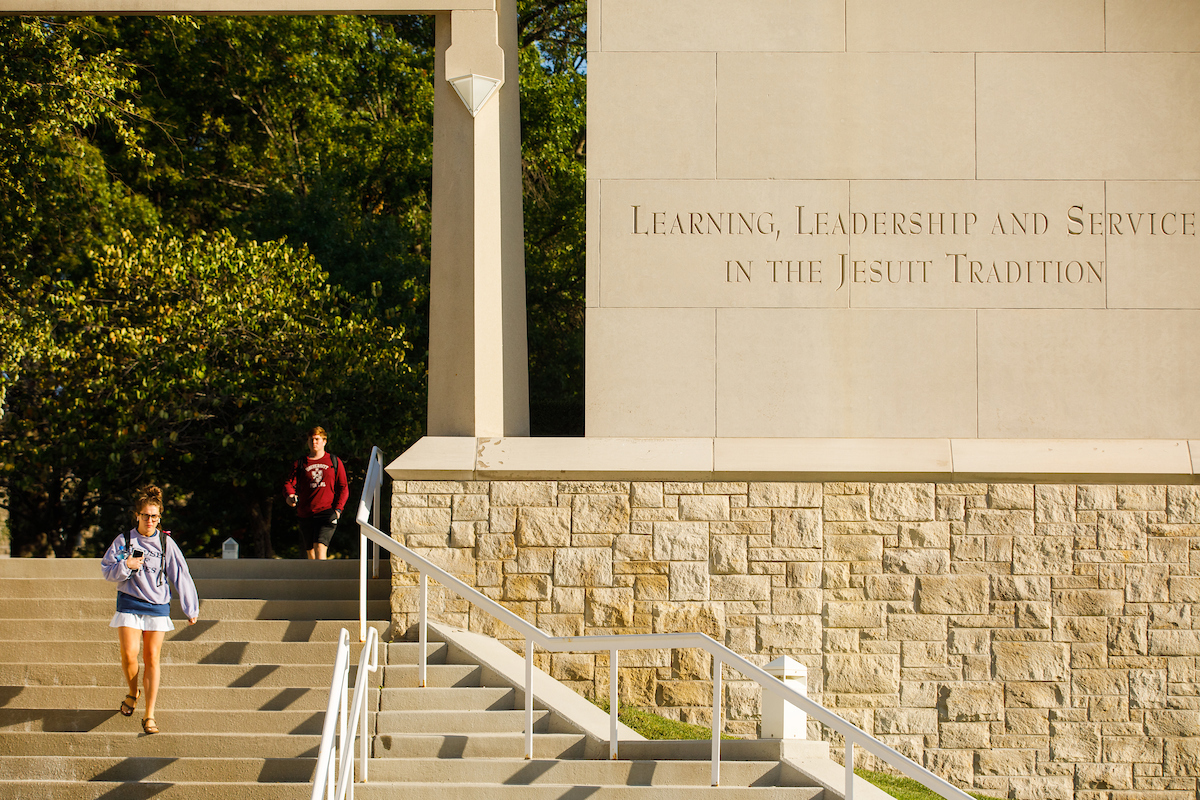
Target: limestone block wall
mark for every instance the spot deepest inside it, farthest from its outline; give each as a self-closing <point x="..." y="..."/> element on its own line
<point x="1028" y="641"/>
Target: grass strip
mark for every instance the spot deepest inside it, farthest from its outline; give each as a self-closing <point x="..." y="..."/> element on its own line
<point x="652" y="726"/>
<point x="905" y="788"/>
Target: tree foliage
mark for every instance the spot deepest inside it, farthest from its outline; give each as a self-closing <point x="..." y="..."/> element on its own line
<point x="214" y="232"/>
<point x="195" y="362"/>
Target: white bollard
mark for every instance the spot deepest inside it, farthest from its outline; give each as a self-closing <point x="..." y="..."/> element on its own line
<point x="781" y="719"/>
<point x="229" y="549"/>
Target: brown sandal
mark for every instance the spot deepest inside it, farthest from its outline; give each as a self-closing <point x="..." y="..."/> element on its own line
<point x="149" y="726"/>
<point x="126" y="708"/>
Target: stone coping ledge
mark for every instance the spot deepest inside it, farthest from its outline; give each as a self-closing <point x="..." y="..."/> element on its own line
<point x="240" y="6"/>
<point x="950" y="460"/>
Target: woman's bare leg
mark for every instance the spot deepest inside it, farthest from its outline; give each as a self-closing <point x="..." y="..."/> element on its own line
<point x="153" y="646"/>
<point x="130" y="640"/>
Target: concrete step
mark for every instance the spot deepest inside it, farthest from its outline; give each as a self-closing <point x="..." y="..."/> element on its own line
<point x="45" y="720"/>
<point x="26" y="608"/>
<point x="160" y="769"/>
<point x="479" y="745"/>
<point x="405" y="653"/>
<point x="437" y="675"/>
<point x="245" y="568"/>
<point x="168" y="743"/>
<point x="216" y="675"/>
<point x="97" y="588"/>
<point x="259" y="630"/>
<point x="176" y="652"/>
<point x="199" y="698"/>
<point x="394" y="770"/>
<point x="580" y="773"/>
<point x="449" y="722"/>
<point x="463" y="698"/>
<point x="148" y="789"/>
<point x="479" y="791"/>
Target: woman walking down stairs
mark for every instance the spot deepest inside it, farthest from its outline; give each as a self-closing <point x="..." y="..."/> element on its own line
<point x="248" y="683"/>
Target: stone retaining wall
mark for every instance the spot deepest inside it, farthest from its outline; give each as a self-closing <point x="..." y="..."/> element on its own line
<point x="1029" y="641"/>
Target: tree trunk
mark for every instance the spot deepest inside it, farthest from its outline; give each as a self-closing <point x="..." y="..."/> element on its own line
<point x="260" y="526"/>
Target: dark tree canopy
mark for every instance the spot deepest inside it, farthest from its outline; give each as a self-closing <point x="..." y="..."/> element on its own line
<point x="214" y="233"/>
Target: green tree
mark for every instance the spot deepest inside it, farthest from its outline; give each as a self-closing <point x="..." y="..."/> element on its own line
<point x="553" y="144"/>
<point x="192" y="363"/>
<point x="316" y="130"/>
<point x="57" y="200"/>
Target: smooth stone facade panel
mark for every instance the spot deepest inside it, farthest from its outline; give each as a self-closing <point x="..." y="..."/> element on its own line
<point x="518" y="456"/>
<point x="1170" y="26"/>
<point x="1069" y="374"/>
<point x="817" y="116"/>
<point x="869" y="456"/>
<point x="643" y="122"/>
<point x="1072" y="457"/>
<point x="1153" y="244"/>
<point x="1061" y="132"/>
<point x="976" y="26"/>
<point x="667" y="362"/>
<point x="718" y="243"/>
<point x="974" y="244"/>
<point x="592" y="242"/>
<point x="827" y="373"/>
<point x="1089" y="116"/>
<point x="765" y="461"/>
<point x="711" y="25"/>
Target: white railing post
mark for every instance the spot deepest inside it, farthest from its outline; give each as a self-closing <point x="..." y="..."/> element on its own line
<point x="423" y="611"/>
<point x="716" y="723"/>
<point x="613" y="709"/>
<point x="343" y="750"/>
<point x="529" y="699"/>
<point x="375" y="518"/>
<point x="849" y="768"/>
<point x="364" y="753"/>
<point x="362" y="583"/>
<point x="368" y="663"/>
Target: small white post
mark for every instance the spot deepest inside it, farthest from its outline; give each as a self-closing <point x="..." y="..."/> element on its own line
<point x="362" y="583"/>
<point x="716" y="723"/>
<point x="421" y="626"/>
<point x="849" y="769"/>
<point x="375" y="522"/>
<point x="229" y="548"/>
<point x="364" y="755"/>
<point x="612" y="704"/>
<point x="781" y="719"/>
<point x="529" y="699"/>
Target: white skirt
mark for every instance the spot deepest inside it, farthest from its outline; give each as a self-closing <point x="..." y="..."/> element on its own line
<point x="143" y="622"/>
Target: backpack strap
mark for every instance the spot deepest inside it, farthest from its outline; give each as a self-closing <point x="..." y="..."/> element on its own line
<point x="128" y="541"/>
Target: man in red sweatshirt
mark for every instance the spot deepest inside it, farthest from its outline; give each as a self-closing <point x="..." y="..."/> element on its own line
<point x="318" y="490"/>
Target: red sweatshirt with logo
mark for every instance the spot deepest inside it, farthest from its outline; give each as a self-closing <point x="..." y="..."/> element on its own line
<point x="317" y="485"/>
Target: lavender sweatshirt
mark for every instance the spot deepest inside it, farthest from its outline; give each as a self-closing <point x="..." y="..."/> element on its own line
<point x="152" y="582"/>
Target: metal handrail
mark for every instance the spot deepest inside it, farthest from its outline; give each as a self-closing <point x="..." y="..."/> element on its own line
<point x="334" y="761"/>
<point x="852" y="734"/>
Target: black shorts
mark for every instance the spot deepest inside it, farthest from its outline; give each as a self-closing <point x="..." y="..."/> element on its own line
<point x="317" y="529"/>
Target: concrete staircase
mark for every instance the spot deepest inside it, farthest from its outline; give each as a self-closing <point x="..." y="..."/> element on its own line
<point x="244" y="692"/>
